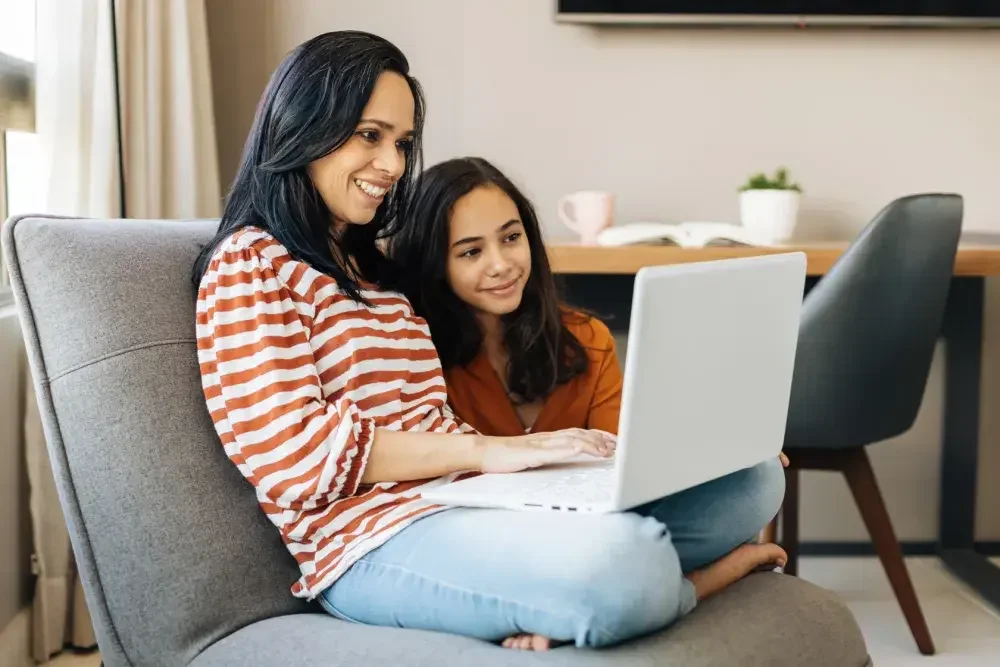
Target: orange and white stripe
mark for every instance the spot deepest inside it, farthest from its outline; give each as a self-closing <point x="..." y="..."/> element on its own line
<point x="297" y="377"/>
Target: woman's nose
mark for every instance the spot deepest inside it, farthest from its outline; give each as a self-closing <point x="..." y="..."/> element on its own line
<point x="391" y="160"/>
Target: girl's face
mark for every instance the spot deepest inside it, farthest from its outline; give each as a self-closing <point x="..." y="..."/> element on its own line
<point x="489" y="259"/>
<point x="353" y="180"/>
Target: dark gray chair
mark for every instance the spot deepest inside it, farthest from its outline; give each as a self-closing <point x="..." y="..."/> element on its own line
<point x="867" y="338"/>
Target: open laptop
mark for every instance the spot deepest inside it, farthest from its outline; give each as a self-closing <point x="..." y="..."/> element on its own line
<point x="708" y="373"/>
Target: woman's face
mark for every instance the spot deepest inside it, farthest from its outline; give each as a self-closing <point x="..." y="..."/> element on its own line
<point x="489" y="259"/>
<point x="353" y="180"/>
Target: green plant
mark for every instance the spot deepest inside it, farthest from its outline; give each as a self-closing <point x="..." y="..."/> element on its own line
<point x="760" y="181"/>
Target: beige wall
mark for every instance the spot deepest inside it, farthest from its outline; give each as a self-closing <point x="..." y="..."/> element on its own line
<point x="15" y="520"/>
<point x="672" y="121"/>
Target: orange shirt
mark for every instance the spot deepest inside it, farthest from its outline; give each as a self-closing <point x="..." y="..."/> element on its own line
<point x="590" y="400"/>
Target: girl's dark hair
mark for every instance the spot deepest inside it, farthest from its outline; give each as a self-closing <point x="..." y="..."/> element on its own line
<point x="312" y="106"/>
<point x="543" y="352"/>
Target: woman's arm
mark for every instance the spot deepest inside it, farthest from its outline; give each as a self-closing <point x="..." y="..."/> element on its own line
<point x="399" y="456"/>
<point x="264" y="393"/>
<point x="606" y="404"/>
<point x="300" y="450"/>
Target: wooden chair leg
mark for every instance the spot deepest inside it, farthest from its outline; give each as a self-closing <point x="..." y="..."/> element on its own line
<point x="790" y="521"/>
<point x="861" y="479"/>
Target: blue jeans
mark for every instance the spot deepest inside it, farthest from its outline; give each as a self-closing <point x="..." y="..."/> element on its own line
<point x="594" y="580"/>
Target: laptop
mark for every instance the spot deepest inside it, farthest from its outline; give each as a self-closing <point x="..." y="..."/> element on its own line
<point x="708" y="374"/>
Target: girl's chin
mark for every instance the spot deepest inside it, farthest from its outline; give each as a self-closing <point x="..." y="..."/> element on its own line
<point x="500" y="307"/>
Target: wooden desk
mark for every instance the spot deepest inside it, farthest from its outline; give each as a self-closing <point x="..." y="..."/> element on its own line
<point x="600" y="279"/>
<point x="972" y="260"/>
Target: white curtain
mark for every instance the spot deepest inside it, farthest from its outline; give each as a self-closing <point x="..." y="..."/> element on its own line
<point x="171" y="168"/>
<point x="167" y="121"/>
<point x="170" y="171"/>
<point x="75" y="107"/>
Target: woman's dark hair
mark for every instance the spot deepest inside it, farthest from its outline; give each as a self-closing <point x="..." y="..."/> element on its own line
<point x="543" y="352"/>
<point x="312" y="106"/>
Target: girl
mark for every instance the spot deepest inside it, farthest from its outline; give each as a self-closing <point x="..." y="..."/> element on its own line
<point x="516" y="360"/>
<point x="328" y="395"/>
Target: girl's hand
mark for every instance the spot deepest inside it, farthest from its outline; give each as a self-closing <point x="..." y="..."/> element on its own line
<point x="783" y="459"/>
<point x="502" y="455"/>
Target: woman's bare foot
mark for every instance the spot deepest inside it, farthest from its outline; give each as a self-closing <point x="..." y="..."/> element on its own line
<point x="735" y="565"/>
<point x="707" y="581"/>
<point x="529" y="642"/>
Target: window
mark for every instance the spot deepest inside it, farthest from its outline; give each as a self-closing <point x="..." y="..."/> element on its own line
<point x="20" y="187"/>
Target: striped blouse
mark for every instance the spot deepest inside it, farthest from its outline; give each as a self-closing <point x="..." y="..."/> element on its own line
<point x="297" y="376"/>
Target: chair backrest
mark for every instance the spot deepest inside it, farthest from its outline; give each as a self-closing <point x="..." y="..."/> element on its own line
<point x="869" y="327"/>
<point x="172" y="548"/>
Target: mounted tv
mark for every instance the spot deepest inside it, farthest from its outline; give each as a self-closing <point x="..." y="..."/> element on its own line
<point x="888" y="13"/>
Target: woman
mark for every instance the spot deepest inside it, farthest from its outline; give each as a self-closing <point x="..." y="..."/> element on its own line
<point x="329" y="397"/>
<point x="517" y="360"/>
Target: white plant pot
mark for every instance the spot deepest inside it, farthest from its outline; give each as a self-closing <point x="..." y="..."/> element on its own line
<point x="770" y="214"/>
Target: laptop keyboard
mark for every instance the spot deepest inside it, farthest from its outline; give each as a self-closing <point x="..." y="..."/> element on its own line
<point x="576" y="485"/>
<point x="588" y="485"/>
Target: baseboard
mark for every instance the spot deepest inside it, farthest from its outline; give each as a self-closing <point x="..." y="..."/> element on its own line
<point x="15" y="641"/>
<point x="910" y="548"/>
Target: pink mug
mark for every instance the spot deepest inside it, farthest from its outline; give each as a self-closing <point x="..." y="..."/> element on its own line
<point x="587" y="213"/>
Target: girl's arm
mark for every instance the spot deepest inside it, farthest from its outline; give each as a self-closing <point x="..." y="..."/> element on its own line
<point x="606" y="403"/>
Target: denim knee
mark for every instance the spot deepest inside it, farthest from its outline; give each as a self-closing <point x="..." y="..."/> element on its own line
<point x="630" y="584"/>
<point x="758" y="493"/>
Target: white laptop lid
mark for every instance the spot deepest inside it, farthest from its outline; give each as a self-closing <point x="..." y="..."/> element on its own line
<point x="708" y="372"/>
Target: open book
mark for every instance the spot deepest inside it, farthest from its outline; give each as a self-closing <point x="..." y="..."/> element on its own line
<point x="684" y="234"/>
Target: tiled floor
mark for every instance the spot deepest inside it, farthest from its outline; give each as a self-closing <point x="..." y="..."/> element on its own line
<point x="965" y="630"/>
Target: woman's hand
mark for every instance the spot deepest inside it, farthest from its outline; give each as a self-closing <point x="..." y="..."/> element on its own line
<point x="501" y="455"/>
<point x="783" y="459"/>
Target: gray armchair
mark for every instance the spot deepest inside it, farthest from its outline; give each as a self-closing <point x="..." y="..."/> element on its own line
<point x="179" y="564"/>
<point x="866" y="341"/>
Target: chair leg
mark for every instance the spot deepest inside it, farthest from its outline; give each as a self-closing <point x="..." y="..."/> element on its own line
<point x="790" y="521"/>
<point x="861" y="479"/>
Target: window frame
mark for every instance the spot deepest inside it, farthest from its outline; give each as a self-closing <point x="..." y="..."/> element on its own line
<point x="17" y="112"/>
<point x="5" y="291"/>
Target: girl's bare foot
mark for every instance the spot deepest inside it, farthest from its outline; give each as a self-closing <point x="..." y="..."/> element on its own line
<point x="735" y="565"/>
<point x="529" y="642"/>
